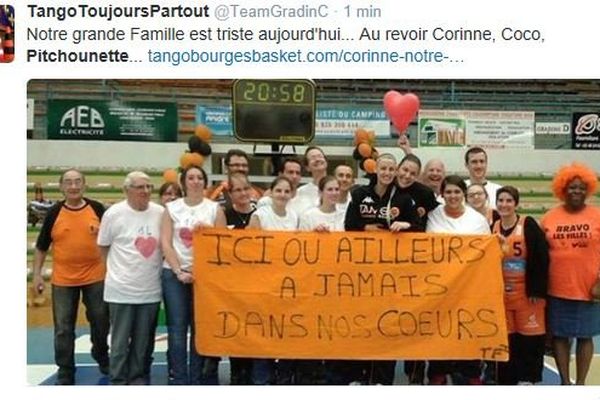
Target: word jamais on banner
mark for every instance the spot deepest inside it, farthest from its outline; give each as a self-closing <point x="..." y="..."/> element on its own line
<point x="348" y="295"/>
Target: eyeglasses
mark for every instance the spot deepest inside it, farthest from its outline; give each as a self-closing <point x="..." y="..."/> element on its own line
<point x="142" y="187"/>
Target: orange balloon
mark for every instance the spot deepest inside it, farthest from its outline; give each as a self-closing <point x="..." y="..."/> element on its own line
<point x="370" y="165"/>
<point x="371" y="137"/>
<point x="361" y="136"/>
<point x="170" y="175"/>
<point x="203" y="132"/>
<point x="365" y="150"/>
<point x="191" y="159"/>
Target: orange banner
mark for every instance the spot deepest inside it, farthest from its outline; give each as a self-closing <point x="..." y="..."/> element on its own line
<point x="348" y="295"/>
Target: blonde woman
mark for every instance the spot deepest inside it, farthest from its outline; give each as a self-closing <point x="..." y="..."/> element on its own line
<point x="380" y="206"/>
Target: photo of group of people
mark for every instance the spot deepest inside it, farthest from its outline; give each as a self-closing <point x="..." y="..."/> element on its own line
<point x="119" y="235"/>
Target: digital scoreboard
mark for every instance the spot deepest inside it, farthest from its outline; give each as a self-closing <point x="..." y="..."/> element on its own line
<point x="274" y="110"/>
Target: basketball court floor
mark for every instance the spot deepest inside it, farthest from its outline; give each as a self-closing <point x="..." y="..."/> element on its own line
<point x="42" y="371"/>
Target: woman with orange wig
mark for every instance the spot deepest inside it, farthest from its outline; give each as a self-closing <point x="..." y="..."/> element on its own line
<point x="573" y="233"/>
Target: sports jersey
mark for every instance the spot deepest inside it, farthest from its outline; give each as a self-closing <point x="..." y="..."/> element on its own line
<point x="514" y="261"/>
<point x="574" y="240"/>
<point x="525" y="273"/>
<point x="76" y="259"/>
<point x="536" y="256"/>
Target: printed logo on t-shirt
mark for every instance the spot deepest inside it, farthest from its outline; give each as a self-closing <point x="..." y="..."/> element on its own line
<point x="514" y="266"/>
<point x="579" y="244"/>
<point x="572" y="231"/>
<point x="185" y="234"/>
<point x="532" y="321"/>
<point x="94" y="229"/>
<point x="368" y="200"/>
<point x="146" y="245"/>
<point x="367" y="211"/>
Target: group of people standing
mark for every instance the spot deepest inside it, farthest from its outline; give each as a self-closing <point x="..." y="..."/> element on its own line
<point x="124" y="261"/>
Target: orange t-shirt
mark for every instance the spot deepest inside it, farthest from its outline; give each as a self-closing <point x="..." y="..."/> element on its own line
<point x="75" y="254"/>
<point x="574" y="241"/>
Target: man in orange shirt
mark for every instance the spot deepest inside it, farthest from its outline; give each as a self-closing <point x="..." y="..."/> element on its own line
<point x="71" y="228"/>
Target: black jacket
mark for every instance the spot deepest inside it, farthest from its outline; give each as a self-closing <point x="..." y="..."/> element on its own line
<point x="423" y="198"/>
<point x="366" y="207"/>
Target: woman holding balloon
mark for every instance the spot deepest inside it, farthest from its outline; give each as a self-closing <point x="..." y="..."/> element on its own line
<point x="401" y="109"/>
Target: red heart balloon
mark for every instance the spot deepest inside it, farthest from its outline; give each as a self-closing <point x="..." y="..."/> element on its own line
<point x="401" y="109"/>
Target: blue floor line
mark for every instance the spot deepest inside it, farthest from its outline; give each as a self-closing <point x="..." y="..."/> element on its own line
<point x="40" y="352"/>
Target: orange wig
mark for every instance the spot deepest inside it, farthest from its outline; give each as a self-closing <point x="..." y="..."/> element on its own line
<point x="569" y="172"/>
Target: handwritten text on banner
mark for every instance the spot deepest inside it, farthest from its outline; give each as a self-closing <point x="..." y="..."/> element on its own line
<point x="348" y="295"/>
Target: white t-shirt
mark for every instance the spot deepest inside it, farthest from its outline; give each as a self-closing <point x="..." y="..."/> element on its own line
<point x="342" y="207"/>
<point x="491" y="188"/>
<point x="297" y="204"/>
<point x="471" y="222"/>
<point x="134" y="257"/>
<point x="184" y="218"/>
<point x="272" y="222"/>
<point x="315" y="217"/>
<point x="310" y="191"/>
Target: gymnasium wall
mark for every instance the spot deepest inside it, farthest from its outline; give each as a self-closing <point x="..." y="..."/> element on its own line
<point x="129" y="155"/>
